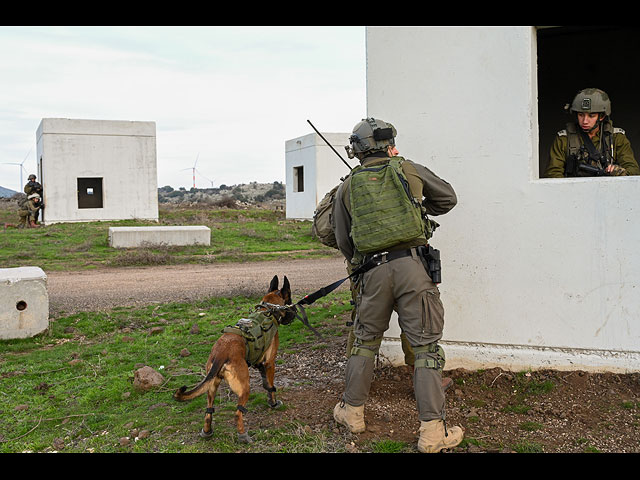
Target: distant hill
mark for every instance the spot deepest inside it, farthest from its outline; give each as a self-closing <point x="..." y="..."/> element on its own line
<point x="5" y="192"/>
<point x="254" y="193"/>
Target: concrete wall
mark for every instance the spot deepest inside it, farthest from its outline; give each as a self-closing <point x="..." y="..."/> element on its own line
<point x="24" y="302"/>
<point x="183" y="235"/>
<point x="322" y="170"/>
<point x="536" y="272"/>
<point x="122" y="153"/>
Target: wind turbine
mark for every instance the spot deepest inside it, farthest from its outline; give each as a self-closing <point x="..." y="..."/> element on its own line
<point x="194" y="170"/>
<point x="21" y="167"/>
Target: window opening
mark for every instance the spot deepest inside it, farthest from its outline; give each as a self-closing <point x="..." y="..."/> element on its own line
<point x="89" y="192"/>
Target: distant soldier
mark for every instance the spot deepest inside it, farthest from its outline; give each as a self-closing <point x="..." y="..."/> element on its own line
<point x="28" y="211"/>
<point x="34" y="187"/>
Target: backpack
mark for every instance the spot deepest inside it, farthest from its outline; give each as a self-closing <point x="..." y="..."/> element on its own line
<point x="323" y="226"/>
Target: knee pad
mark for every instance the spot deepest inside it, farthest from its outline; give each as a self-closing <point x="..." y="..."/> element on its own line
<point x="367" y="348"/>
<point x="430" y="356"/>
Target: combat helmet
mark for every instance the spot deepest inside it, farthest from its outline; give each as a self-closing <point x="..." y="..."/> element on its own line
<point x="370" y="135"/>
<point x="592" y="100"/>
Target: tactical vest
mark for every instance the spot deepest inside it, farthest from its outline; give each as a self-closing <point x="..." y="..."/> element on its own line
<point x="383" y="211"/>
<point x="576" y="152"/>
<point x="258" y="331"/>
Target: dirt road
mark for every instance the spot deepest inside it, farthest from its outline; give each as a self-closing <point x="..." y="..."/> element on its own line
<point x="93" y="290"/>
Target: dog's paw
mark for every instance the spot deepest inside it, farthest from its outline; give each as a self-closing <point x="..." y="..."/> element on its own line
<point x="244" y="438"/>
<point x="204" y="434"/>
<point x="276" y="405"/>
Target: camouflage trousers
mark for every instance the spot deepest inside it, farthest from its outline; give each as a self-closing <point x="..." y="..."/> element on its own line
<point x="24" y="218"/>
<point x="402" y="284"/>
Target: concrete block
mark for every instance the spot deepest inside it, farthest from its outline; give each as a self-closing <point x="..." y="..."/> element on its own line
<point x="132" y="237"/>
<point x="24" y="302"/>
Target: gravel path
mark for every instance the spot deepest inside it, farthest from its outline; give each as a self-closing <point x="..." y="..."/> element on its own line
<point x="94" y="290"/>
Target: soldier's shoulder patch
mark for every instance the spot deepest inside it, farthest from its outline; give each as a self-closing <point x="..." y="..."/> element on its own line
<point x="562" y="133"/>
<point x="618" y="130"/>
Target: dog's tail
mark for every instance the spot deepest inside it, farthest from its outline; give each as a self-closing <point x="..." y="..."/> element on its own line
<point x="182" y="395"/>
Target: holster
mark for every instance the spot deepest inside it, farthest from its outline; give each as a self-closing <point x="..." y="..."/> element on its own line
<point x="430" y="258"/>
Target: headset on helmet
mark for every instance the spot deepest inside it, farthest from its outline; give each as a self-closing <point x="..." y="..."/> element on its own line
<point x="371" y="135"/>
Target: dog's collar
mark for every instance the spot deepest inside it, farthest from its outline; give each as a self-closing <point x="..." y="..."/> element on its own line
<point x="271" y="309"/>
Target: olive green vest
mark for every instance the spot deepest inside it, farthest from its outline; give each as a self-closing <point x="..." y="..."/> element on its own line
<point x="383" y="211"/>
<point x="258" y="330"/>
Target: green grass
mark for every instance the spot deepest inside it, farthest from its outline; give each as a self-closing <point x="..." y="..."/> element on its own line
<point x="528" y="447"/>
<point x="390" y="446"/>
<point x="526" y="387"/>
<point x="252" y="234"/>
<point x="72" y="386"/>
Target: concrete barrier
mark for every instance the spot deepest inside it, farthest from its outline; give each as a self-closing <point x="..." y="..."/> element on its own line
<point x="24" y="302"/>
<point x="132" y="237"/>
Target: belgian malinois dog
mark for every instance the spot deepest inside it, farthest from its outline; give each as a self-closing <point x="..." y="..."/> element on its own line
<point x="228" y="361"/>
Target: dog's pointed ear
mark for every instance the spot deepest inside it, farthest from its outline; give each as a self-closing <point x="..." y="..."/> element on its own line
<point x="286" y="288"/>
<point x="274" y="284"/>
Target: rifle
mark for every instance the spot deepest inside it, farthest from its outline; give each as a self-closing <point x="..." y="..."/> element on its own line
<point x="331" y="146"/>
<point x="590" y="170"/>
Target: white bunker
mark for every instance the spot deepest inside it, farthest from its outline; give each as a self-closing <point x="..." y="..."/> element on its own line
<point x="537" y="273"/>
<point x="312" y="170"/>
<point x="93" y="170"/>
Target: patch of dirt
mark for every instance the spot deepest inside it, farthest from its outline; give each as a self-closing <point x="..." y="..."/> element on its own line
<point x="541" y="411"/>
<point x="106" y="288"/>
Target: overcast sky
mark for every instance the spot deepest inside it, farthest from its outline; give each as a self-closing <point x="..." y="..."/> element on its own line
<point x="228" y="96"/>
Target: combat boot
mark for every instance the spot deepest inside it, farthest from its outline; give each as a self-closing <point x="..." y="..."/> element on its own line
<point x="349" y="416"/>
<point x="434" y="438"/>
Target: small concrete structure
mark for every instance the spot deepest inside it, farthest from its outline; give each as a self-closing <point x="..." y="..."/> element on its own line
<point x="24" y="302"/>
<point x="312" y="170"/>
<point x="132" y="237"/>
<point x="97" y="170"/>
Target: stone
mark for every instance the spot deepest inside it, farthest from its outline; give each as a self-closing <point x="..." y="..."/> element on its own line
<point x="146" y="378"/>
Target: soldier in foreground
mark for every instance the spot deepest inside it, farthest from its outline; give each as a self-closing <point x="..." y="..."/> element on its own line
<point x="378" y="213"/>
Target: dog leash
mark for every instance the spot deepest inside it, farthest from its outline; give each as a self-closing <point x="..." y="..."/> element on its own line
<point x="311" y="298"/>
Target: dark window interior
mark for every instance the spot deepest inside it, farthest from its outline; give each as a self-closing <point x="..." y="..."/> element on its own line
<point x="573" y="58"/>
<point x="298" y="179"/>
<point x="89" y="192"/>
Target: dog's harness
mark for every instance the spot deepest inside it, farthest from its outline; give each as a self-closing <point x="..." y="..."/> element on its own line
<point x="258" y="330"/>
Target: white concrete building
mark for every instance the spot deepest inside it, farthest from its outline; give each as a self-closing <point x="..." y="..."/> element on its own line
<point x="93" y="170"/>
<point x="312" y="170"/>
<point x="537" y="273"/>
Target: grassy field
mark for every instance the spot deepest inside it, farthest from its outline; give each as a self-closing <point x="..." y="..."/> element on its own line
<point x="253" y="234"/>
<point x="70" y="389"/>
